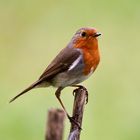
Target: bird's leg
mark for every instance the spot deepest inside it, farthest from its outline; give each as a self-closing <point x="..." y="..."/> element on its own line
<point x="57" y="94"/>
<point x="71" y="119"/>
<point x="82" y="87"/>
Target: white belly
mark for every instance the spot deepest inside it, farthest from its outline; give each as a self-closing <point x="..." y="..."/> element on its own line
<point x="64" y="79"/>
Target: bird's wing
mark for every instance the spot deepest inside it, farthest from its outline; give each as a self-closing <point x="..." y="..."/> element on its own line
<point x="61" y="62"/>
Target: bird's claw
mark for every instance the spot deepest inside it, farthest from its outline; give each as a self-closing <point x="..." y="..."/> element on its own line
<point x="82" y="87"/>
<point x="74" y="91"/>
<point x="86" y="93"/>
<point x="72" y="120"/>
<point x="86" y="96"/>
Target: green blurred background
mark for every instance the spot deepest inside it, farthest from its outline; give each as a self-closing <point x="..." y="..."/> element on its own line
<point x="33" y="32"/>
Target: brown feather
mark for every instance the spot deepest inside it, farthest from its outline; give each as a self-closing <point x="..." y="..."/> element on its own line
<point x="26" y="90"/>
<point x="61" y="63"/>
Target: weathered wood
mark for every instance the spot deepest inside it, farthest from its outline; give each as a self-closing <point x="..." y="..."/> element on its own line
<point x="55" y="124"/>
<point x="78" y="109"/>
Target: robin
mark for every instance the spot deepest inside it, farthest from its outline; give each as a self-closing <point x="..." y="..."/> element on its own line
<point x="74" y="64"/>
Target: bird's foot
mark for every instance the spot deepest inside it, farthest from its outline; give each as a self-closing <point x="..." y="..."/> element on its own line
<point x="80" y="87"/>
<point x="72" y="120"/>
<point x="86" y="96"/>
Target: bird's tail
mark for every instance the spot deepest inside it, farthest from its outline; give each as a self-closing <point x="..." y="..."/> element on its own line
<point x="26" y="90"/>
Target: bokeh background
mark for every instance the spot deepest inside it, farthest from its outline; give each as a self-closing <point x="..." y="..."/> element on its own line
<point x="32" y="32"/>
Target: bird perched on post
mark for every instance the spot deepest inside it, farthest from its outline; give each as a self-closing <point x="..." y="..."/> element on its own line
<point x="74" y="64"/>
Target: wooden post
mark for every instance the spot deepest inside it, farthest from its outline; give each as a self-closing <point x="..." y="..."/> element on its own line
<point x="81" y="96"/>
<point x="55" y="124"/>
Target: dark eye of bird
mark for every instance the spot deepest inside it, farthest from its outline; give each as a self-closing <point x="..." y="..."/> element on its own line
<point x="83" y="34"/>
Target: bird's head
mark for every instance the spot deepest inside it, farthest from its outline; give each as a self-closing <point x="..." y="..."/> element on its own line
<point x="86" y="37"/>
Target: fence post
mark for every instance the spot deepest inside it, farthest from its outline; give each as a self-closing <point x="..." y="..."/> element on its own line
<point x="55" y="124"/>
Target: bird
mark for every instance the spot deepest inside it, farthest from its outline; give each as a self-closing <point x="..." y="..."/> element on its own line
<point x="74" y="64"/>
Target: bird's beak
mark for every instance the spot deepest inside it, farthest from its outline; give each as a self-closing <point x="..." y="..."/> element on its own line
<point x="97" y="34"/>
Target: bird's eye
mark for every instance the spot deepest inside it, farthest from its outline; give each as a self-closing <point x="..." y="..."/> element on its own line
<point x="83" y="34"/>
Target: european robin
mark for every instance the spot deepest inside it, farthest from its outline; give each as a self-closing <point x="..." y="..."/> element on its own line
<point x="74" y="64"/>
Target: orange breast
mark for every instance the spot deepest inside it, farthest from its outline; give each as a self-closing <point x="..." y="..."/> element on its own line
<point x="91" y="59"/>
<point x="90" y="51"/>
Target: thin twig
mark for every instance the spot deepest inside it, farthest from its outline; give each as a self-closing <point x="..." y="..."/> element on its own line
<point x="78" y="109"/>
